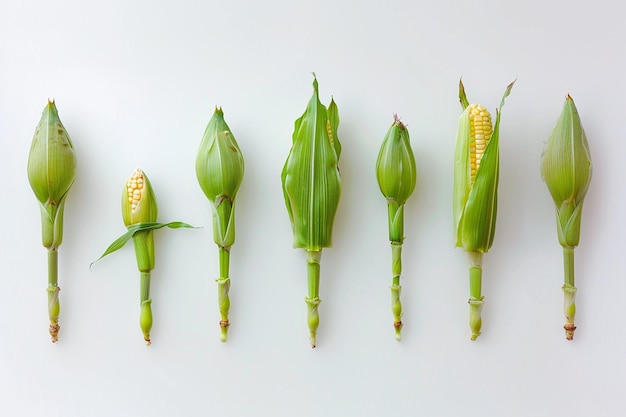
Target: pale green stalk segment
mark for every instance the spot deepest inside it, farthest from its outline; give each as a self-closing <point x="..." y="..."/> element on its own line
<point x="312" y="188"/>
<point x="475" y="199"/>
<point x="54" y="307"/>
<point x="397" y="175"/>
<point x="223" y="288"/>
<point x="396" y="288"/>
<point x="220" y="170"/>
<point x="569" y="293"/>
<point x="566" y="168"/>
<point x="51" y="172"/>
<point x="145" y="305"/>
<point x="313" y="298"/>
<point x="476" y="298"/>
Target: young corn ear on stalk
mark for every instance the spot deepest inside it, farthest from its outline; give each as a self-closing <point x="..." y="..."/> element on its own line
<point x="139" y="205"/>
<point x="220" y="169"/>
<point x="139" y="212"/>
<point x="566" y="170"/>
<point x="312" y="187"/>
<point x="51" y="172"/>
<point x="476" y="171"/>
<point x="397" y="174"/>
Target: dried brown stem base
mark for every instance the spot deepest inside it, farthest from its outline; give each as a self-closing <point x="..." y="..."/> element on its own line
<point x="54" y="330"/>
<point x="569" y="330"/>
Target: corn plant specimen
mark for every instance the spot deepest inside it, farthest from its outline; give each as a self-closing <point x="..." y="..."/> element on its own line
<point x="312" y="186"/>
<point x="476" y="170"/>
<point x="139" y="212"/>
<point x="566" y="170"/>
<point x="220" y="168"/>
<point x="51" y="171"/>
<point x="397" y="174"/>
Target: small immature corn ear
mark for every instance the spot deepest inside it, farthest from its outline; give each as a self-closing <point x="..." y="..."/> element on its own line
<point x="566" y="169"/>
<point x="219" y="164"/>
<point x="52" y="161"/>
<point x="395" y="168"/>
<point x="138" y="201"/>
<point x="51" y="172"/>
<point x="220" y="170"/>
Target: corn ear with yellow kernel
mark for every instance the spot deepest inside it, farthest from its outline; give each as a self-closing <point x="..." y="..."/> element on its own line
<point x="396" y="173"/>
<point x="566" y="169"/>
<point x="312" y="188"/>
<point x="220" y="169"/>
<point x="51" y="173"/>
<point x="139" y="213"/>
<point x="475" y="199"/>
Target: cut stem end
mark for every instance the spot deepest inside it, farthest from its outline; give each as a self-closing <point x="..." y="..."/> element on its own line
<point x="313" y="318"/>
<point x="54" y="330"/>
<point x="569" y="304"/>
<point x="476" y="321"/>
<point x="223" y="288"/>
<point x="396" y="308"/>
<point x="224" y="324"/>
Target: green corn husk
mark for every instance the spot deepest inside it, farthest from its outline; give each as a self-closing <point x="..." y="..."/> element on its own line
<point x="220" y="169"/>
<point x="139" y="212"/>
<point x="476" y="195"/>
<point x="566" y="169"/>
<point x="312" y="187"/>
<point x="397" y="174"/>
<point x="51" y="173"/>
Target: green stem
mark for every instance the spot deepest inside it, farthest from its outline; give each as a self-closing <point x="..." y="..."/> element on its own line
<point x="313" y="299"/>
<point x="54" y="307"/>
<point x="476" y="299"/>
<point x="223" y="287"/>
<point x="569" y="293"/>
<point x="396" y="288"/>
<point x="145" y="302"/>
<point x="395" y="215"/>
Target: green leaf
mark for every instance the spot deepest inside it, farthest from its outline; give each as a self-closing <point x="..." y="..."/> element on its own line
<point x="463" y="96"/>
<point x="138" y="227"/>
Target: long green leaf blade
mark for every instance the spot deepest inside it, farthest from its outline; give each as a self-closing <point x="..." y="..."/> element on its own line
<point x="121" y="241"/>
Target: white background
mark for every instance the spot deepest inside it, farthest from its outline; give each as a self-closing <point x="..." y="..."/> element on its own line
<point x="136" y="82"/>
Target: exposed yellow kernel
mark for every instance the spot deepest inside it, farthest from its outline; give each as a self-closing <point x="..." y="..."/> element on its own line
<point x="134" y="188"/>
<point x="329" y="130"/>
<point x="480" y="131"/>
